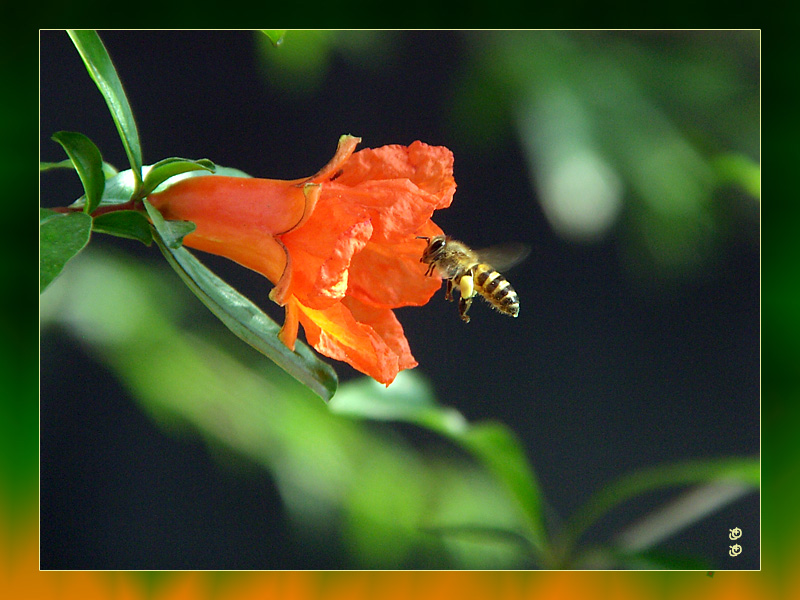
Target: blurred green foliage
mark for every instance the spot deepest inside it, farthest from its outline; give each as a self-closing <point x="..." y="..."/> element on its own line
<point x="333" y="474"/>
<point x="392" y="503"/>
<point x="302" y="61"/>
<point x="650" y="136"/>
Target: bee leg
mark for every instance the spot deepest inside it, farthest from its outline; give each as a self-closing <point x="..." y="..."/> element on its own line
<point x="448" y="294"/>
<point x="463" y="307"/>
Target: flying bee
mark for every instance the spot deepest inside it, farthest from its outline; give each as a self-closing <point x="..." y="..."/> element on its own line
<point x="469" y="270"/>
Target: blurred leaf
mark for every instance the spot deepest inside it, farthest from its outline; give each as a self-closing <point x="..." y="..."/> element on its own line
<point x="481" y="533"/>
<point x="738" y="169"/>
<point x="345" y="484"/>
<point x="275" y="35"/>
<point x="656" y="560"/>
<point x="88" y="163"/>
<point x="124" y="223"/>
<point x="102" y="71"/>
<point x="61" y="236"/>
<point x="678" y="514"/>
<point x="169" y="167"/>
<point x="410" y="400"/>
<point x="607" y="559"/>
<point x="744" y="471"/>
<point x="302" y="62"/>
<point x="497" y="448"/>
<point x="616" y="128"/>
<point x="243" y="317"/>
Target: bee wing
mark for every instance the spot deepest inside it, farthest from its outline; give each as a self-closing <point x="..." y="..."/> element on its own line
<point x="504" y="256"/>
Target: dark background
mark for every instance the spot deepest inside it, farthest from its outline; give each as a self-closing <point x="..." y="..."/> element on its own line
<point x="604" y="371"/>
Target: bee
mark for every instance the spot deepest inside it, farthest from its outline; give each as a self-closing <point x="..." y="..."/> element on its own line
<point x="469" y="270"/>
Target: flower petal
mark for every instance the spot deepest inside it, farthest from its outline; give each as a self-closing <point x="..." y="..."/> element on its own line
<point x="384" y="322"/>
<point x="396" y="207"/>
<point x="288" y="333"/>
<point x="401" y="186"/>
<point x="222" y="206"/>
<point x="336" y="333"/>
<point x="259" y="252"/>
<point x="347" y="143"/>
<point x="391" y="275"/>
<point x="321" y="251"/>
<point x="430" y="168"/>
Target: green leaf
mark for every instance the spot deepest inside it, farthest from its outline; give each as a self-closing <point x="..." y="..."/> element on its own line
<point x="125" y="223"/>
<point x="226" y="171"/>
<point x="171" y="232"/>
<point x="275" y="35"/>
<point x="61" y="236"/>
<point x="88" y="163"/>
<point x="410" y="400"/>
<point x="49" y="166"/>
<point x="169" y="167"/>
<point x="102" y="71"/>
<point x="244" y="318"/>
<point x="118" y="190"/>
<point x="108" y="170"/>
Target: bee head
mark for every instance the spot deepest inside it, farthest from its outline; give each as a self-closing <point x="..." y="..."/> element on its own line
<point x="435" y="246"/>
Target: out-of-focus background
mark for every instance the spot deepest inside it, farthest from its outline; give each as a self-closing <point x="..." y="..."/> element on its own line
<point x="628" y="161"/>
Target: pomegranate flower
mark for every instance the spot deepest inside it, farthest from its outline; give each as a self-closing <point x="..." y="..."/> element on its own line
<point x="339" y="246"/>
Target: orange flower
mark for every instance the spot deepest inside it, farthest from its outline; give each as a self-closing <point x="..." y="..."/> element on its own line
<point x="339" y="246"/>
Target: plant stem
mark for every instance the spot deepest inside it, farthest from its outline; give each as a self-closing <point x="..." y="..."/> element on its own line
<point x="129" y="205"/>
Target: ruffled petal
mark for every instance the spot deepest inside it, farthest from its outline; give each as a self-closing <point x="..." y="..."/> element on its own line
<point x="336" y="333"/>
<point x="429" y="168"/>
<point x="322" y="249"/>
<point x="397" y="207"/>
<point x="391" y="275"/>
<point x="384" y="322"/>
<point x="400" y="186"/>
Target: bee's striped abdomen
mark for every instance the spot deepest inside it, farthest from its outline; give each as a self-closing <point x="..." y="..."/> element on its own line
<point x="496" y="289"/>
